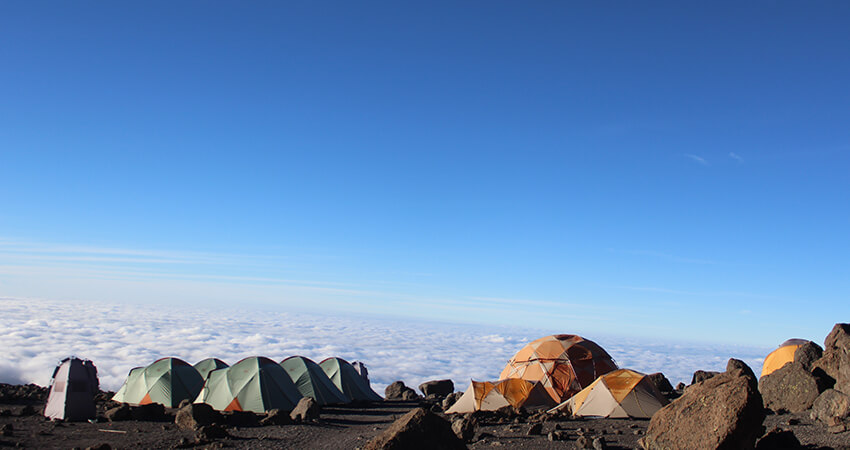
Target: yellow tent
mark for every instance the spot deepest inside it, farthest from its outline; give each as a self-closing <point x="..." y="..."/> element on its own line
<point x="781" y="356"/>
<point x="490" y="396"/>
<point x="622" y="393"/>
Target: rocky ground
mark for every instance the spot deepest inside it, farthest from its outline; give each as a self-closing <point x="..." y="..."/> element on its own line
<point x="337" y="428"/>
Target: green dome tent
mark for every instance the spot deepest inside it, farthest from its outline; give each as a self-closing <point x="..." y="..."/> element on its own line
<point x="204" y="367"/>
<point x="312" y="381"/>
<point x="167" y="381"/>
<point x="255" y="384"/>
<point x="346" y="378"/>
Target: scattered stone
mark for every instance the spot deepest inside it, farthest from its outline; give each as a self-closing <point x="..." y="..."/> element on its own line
<point x="450" y="400"/>
<point x="582" y="442"/>
<point x="276" y="417"/>
<point x="118" y="413"/>
<point x="208" y="433"/>
<point x="599" y="443"/>
<point x="558" y="435"/>
<point x="418" y="429"/>
<point x="437" y="388"/>
<point x="637" y="432"/>
<point x="195" y="415"/>
<point x="702" y="375"/>
<point x="790" y="388"/>
<point x="778" y="439"/>
<point x="831" y="404"/>
<point x="398" y="391"/>
<point x="465" y="428"/>
<point x="307" y="410"/>
<point x="535" y="429"/>
<point x="661" y="382"/>
<point x="723" y="411"/>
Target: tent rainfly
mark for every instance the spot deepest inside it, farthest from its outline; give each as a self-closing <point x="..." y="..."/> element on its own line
<point x="490" y="396"/>
<point x="619" y="394"/>
<point x="72" y="389"/>
<point x="348" y="380"/>
<point x="205" y="366"/>
<point x="781" y="356"/>
<point x="564" y="363"/>
<point x="254" y="384"/>
<point x="167" y="381"/>
<point x="311" y="381"/>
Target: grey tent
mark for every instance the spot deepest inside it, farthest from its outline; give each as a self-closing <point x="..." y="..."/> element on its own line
<point x="311" y="381"/>
<point x="204" y="367"/>
<point x="72" y="389"/>
<point x="345" y="377"/>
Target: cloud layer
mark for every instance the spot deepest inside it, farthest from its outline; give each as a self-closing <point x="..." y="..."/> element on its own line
<point x="117" y="337"/>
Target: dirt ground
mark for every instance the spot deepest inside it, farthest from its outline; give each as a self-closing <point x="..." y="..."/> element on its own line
<point x="347" y="428"/>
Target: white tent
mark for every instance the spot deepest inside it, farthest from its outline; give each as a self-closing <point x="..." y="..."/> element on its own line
<point x="72" y="389"/>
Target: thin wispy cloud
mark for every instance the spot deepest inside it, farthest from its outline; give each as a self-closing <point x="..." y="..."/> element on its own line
<point x="662" y="290"/>
<point x="696" y="158"/>
<point x="736" y="157"/>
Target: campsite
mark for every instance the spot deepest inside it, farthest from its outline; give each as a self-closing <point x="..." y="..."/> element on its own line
<point x="558" y="391"/>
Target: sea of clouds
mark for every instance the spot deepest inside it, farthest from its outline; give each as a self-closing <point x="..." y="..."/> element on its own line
<point x="36" y="334"/>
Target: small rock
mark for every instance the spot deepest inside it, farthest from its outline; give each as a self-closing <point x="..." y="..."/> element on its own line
<point x="599" y="444"/>
<point x="465" y="428"/>
<point x="450" y="400"/>
<point x="208" y="433"/>
<point x="398" y="391"/>
<point x="829" y="404"/>
<point x="583" y="442"/>
<point x="661" y="382"/>
<point x="276" y="417"/>
<point x="307" y="410"/>
<point x="118" y="413"/>
<point x="637" y="432"/>
<point x="437" y="388"/>
<point x="558" y="435"/>
<point x="196" y="415"/>
<point x="534" y="429"/>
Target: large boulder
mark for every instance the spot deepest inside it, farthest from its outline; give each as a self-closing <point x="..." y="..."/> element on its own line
<point x="702" y="375"/>
<point x="307" y="410"/>
<point x="437" y="388"/>
<point x="722" y="412"/>
<point x="790" y="388"/>
<point x="831" y="404"/>
<point x="418" y="429"/>
<point x="398" y="391"/>
<point x="465" y="428"/>
<point x="196" y="415"/>
<point x="661" y="382"/>
<point x="807" y="354"/>
<point x="835" y="362"/>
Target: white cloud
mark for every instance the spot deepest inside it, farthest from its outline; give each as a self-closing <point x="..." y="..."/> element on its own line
<point x="736" y="157"/>
<point x="696" y="158"/>
<point x="38" y="333"/>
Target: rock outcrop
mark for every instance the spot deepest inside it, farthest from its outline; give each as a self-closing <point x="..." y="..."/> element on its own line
<point x="398" y="391"/>
<point x="722" y="412"/>
<point x="835" y="362"/>
<point x="790" y="388"/>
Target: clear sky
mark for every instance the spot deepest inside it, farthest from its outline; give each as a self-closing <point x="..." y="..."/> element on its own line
<point x="643" y="168"/>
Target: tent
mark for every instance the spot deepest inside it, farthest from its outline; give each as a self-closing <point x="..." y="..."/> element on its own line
<point x="311" y="381"/>
<point x="564" y="363"/>
<point x="167" y="381"/>
<point x="490" y="396"/>
<point x="619" y="394"/>
<point x="781" y="356"/>
<point x="72" y="389"/>
<point x="204" y="367"/>
<point x="348" y="380"/>
<point x="255" y="384"/>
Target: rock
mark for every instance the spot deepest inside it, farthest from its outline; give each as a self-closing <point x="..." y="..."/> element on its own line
<point x="599" y="443"/>
<point x="680" y="387"/>
<point x="397" y="390"/>
<point x="465" y="428"/>
<point x="276" y="417"/>
<point x="807" y="354"/>
<point x="409" y="395"/>
<point x="241" y="419"/>
<point x="839" y="428"/>
<point x="100" y="447"/>
<point x="558" y="435"/>
<point x="779" y="439"/>
<point x="450" y="400"/>
<point x="307" y="410"/>
<point x="702" y="375"/>
<point x="831" y="404"/>
<point x="582" y="442"/>
<point x="835" y="362"/>
<point x="152" y="412"/>
<point x="208" y="433"/>
<point x="118" y="413"/>
<point x="535" y="429"/>
<point x="723" y="411"/>
<point x="193" y="416"/>
<point x="737" y="366"/>
<point x="418" y="429"/>
<point x="790" y="388"/>
<point x="184" y="403"/>
<point x="437" y="388"/>
<point x="661" y="382"/>
<point x="7" y="430"/>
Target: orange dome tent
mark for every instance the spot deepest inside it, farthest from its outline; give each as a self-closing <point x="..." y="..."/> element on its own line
<point x="781" y="356"/>
<point x="563" y="363"/>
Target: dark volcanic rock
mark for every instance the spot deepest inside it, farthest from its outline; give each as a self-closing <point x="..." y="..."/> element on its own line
<point x="779" y="439"/>
<point x="450" y="400"/>
<point x="702" y="375"/>
<point x="418" y="429"/>
<point x="276" y="417"/>
<point x="807" y="354"/>
<point x="307" y="410"/>
<point x="208" y="433"/>
<point x="241" y="419"/>
<point x="831" y="404"/>
<point x="724" y="411"/>
<point x="535" y="429"/>
<point x="835" y="362"/>
<point x="118" y="413"/>
<point x="661" y="382"/>
<point x="398" y="391"/>
<point x="465" y="428"/>
<point x="152" y="412"/>
<point x="437" y="388"/>
<point x="193" y="416"/>
<point x="790" y="388"/>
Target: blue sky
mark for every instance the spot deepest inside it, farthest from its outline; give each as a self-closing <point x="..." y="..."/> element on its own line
<point x="652" y="169"/>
